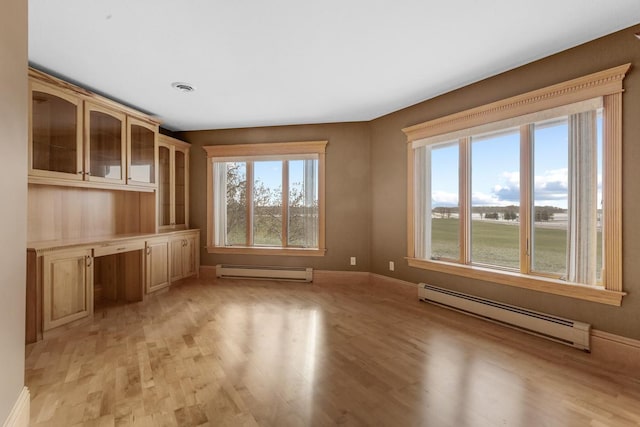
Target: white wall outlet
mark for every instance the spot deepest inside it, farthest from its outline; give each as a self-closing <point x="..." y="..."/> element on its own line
<point x="353" y="260"/>
<point x="392" y="266"/>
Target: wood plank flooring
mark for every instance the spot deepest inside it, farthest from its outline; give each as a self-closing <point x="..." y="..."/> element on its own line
<point x="247" y="353"/>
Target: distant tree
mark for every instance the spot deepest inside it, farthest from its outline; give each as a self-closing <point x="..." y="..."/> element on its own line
<point x="492" y="215"/>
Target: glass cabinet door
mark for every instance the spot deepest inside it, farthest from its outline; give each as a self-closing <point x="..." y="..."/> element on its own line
<point x="142" y="153"/>
<point x="180" y="187"/>
<point x="105" y="144"/>
<point x="55" y="134"/>
<point x="164" y="185"/>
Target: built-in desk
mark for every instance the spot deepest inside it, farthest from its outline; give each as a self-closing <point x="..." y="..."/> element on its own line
<point x="65" y="279"/>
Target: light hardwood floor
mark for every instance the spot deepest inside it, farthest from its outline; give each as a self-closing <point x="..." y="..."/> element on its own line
<point x="249" y="353"/>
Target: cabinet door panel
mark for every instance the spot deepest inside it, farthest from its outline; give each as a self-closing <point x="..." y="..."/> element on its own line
<point x="68" y="287"/>
<point x="55" y="133"/>
<point x="164" y="186"/>
<point x="177" y="266"/>
<point x="180" y="187"/>
<point x="189" y="256"/>
<point x="105" y="144"/>
<point x="157" y="265"/>
<point x="142" y="153"/>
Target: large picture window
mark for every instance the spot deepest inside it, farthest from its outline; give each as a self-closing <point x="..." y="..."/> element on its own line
<point x="270" y="201"/>
<point x="525" y="191"/>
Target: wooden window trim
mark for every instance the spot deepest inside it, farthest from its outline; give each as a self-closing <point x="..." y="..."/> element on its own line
<point x="606" y="84"/>
<point x="267" y="149"/>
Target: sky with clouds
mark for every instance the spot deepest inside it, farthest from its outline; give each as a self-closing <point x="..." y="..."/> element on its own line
<point x="495" y="169"/>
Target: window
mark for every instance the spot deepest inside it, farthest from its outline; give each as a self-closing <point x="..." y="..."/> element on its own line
<point x="266" y="198"/>
<point x="525" y="191"/>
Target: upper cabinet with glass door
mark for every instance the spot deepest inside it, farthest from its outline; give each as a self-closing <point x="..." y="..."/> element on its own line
<point x="105" y="136"/>
<point x="78" y="138"/>
<point x="173" y="183"/>
<point x="55" y="135"/>
<point x="142" y="154"/>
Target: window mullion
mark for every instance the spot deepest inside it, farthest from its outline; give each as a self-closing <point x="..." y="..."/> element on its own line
<point x="465" y="199"/>
<point x="527" y="182"/>
<point x="285" y="203"/>
<point x="249" y="196"/>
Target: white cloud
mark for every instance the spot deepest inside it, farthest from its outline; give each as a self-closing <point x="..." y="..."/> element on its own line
<point x="444" y="198"/>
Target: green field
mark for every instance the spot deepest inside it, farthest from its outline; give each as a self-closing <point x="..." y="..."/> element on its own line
<point x="497" y="243"/>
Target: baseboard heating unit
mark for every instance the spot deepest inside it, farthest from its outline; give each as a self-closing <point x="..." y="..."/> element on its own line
<point x="295" y="274"/>
<point x="570" y="332"/>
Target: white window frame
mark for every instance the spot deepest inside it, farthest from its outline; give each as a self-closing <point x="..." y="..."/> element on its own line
<point x="605" y="86"/>
<point x="270" y="151"/>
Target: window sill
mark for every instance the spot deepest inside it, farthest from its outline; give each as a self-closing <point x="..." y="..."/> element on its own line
<point x="247" y="250"/>
<point x="535" y="283"/>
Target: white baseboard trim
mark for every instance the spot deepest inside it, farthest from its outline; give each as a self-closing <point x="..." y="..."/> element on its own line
<point x="19" y="415"/>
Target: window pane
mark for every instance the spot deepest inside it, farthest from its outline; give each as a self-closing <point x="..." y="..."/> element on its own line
<point x="495" y="199"/>
<point x="303" y="203"/>
<point x="267" y="203"/>
<point x="236" y="212"/>
<point x="445" y="208"/>
<point x="550" y="196"/>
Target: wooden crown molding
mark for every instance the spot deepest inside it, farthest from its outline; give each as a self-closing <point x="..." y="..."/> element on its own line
<point x="266" y="149"/>
<point x="602" y="83"/>
<point x="85" y="94"/>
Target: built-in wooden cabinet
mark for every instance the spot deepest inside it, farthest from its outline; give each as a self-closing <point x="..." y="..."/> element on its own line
<point x="97" y="185"/>
<point x="157" y="264"/>
<point x="184" y="255"/>
<point x="67" y="284"/>
<point x="78" y="138"/>
<point x="173" y="185"/>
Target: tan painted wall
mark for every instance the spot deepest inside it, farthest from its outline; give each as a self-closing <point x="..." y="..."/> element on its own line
<point x="388" y="166"/>
<point x="366" y="183"/>
<point x="13" y="209"/>
<point x="347" y="189"/>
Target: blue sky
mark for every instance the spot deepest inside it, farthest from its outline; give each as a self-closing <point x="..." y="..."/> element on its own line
<point x="495" y="169"/>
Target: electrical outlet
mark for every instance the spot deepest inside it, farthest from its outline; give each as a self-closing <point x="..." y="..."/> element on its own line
<point x="392" y="266"/>
<point x="353" y="260"/>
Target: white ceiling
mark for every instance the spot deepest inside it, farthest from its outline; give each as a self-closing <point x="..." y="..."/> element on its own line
<point x="257" y="63"/>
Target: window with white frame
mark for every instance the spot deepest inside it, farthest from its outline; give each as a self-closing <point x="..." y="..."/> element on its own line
<point x="267" y="198"/>
<point x="525" y="191"/>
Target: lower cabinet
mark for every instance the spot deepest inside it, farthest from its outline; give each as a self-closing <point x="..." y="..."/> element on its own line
<point x="67" y="282"/>
<point x="184" y="255"/>
<point x="62" y="282"/>
<point x="157" y="264"/>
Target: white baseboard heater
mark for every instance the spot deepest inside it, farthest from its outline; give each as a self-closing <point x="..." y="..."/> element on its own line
<point x="570" y="332"/>
<point x="295" y="274"/>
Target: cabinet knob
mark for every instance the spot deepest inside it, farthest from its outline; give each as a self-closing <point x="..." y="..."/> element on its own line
<point x="148" y="250"/>
<point x="89" y="260"/>
<point x="80" y="172"/>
